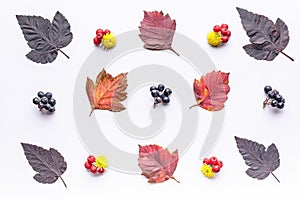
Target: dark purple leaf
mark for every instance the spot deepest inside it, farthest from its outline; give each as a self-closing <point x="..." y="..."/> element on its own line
<point x="45" y="39"/>
<point x="268" y="39"/>
<point x="49" y="164"/>
<point x="262" y="163"/>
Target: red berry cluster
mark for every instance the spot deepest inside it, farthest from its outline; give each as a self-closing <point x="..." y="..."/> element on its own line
<point x="99" y="35"/>
<point x="214" y="163"/>
<point x="223" y="29"/>
<point x="90" y="165"/>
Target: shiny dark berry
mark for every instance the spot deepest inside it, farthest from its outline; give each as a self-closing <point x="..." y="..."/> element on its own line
<point x="167" y="92"/>
<point x="40" y="106"/>
<point x="36" y="100"/>
<point x="165" y="99"/>
<point x="267" y="89"/>
<point x="160" y="87"/>
<point x="274" y="103"/>
<point x="283" y="100"/>
<point x="52" y="102"/>
<point x="154" y="93"/>
<point x="278" y="97"/>
<point x="273" y="93"/>
<point x="153" y="88"/>
<point x="44" y="100"/>
<point x="47" y="106"/>
<point x="48" y="95"/>
<point x="280" y="105"/>
<point x="40" y="94"/>
<point x="51" y="109"/>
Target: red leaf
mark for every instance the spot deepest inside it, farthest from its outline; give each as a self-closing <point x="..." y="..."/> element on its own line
<point x="157" y="164"/>
<point x="211" y="90"/>
<point x="157" y="31"/>
<point x="108" y="91"/>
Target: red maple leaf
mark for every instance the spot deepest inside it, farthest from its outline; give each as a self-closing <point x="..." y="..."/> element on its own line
<point x="211" y="90"/>
<point x="157" y="31"/>
<point x="157" y="164"/>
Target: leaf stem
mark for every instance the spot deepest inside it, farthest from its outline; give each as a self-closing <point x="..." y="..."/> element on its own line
<point x="174" y="51"/>
<point x="265" y="102"/>
<point x="63" y="53"/>
<point x="287" y="55"/>
<point x="91" y="112"/>
<point x="63" y="181"/>
<point x="275" y="177"/>
<point x="193" y="106"/>
<point x="172" y="177"/>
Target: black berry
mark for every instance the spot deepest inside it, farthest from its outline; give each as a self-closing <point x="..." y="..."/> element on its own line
<point x="274" y="103"/>
<point x="44" y="100"/>
<point x="40" y="94"/>
<point x="278" y="97"/>
<point x="167" y="92"/>
<point x="153" y="88"/>
<point x="154" y="93"/>
<point x="36" y="100"/>
<point x="47" y="106"/>
<point x="280" y="105"/>
<point x="283" y="100"/>
<point x="267" y="89"/>
<point x="52" y="102"/>
<point x="41" y="106"/>
<point x="160" y="87"/>
<point x="51" y="109"/>
<point x="48" y="95"/>
<point x="165" y="100"/>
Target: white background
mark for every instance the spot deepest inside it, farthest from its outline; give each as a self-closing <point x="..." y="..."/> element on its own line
<point x="21" y="122"/>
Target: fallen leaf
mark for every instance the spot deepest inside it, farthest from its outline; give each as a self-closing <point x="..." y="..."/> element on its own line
<point x="211" y="90"/>
<point x="49" y="164"/>
<point x="262" y="163"/>
<point x="268" y="39"/>
<point x="45" y="38"/>
<point x="157" y="31"/>
<point x="107" y="92"/>
<point x="157" y="164"/>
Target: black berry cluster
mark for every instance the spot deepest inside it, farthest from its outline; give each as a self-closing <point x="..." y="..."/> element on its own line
<point x="160" y="94"/>
<point x="274" y="99"/>
<point x="44" y="101"/>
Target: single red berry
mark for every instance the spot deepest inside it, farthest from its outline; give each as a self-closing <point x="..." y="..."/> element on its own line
<point x="228" y="33"/>
<point x="213" y="160"/>
<point x="87" y="165"/>
<point x="224" y="26"/>
<point x="224" y="31"/>
<point x="101" y="170"/>
<point x="106" y="31"/>
<point x="93" y="169"/>
<point x="206" y="161"/>
<point x="217" y="28"/>
<point x="91" y="159"/>
<point x="225" y="38"/>
<point x="99" y="31"/>
<point x="99" y="36"/>
<point x="216" y="168"/>
<point x="96" y="41"/>
<point x="220" y="163"/>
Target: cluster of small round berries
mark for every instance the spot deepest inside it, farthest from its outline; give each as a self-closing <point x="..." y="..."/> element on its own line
<point x="210" y="166"/>
<point x="105" y="38"/>
<point x="90" y="165"/>
<point x="44" y="101"/>
<point x="160" y="94"/>
<point x="274" y="98"/>
<point x="219" y="35"/>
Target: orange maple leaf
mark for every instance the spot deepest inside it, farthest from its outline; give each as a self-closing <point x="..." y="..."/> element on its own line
<point x="107" y="92"/>
<point x="211" y="90"/>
